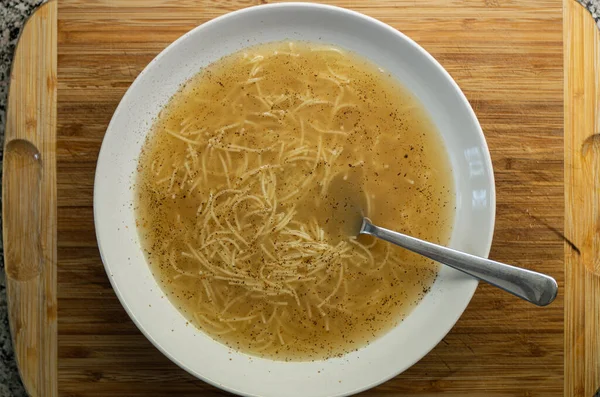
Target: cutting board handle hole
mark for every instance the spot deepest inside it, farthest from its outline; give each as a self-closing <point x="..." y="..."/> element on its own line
<point x="21" y="210"/>
<point x="592" y="143"/>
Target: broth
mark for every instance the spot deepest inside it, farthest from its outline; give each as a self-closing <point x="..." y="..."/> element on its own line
<point x="234" y="194"/>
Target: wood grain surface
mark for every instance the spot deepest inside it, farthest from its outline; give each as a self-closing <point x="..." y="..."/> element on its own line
<point x="29" y="203"/>
<point x="507" y="56"/>
<point x="582" y="202"/>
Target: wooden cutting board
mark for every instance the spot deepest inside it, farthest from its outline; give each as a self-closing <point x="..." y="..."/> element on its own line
<point x="582" y="202"/>
<point x="507" y="56"/>
<point x="29" y="203"/>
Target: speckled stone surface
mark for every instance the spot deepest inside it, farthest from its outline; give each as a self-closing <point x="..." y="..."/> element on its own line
<point x="13" y="14"/>
<point x="593" y="6"/>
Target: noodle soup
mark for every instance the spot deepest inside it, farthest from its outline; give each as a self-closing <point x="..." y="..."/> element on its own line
<point x="234" y="193"/>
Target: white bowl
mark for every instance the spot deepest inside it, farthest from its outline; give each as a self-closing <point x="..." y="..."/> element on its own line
<point x="139" y="292"/>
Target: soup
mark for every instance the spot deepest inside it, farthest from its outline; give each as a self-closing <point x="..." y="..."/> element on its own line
<point x="235" y="188"/>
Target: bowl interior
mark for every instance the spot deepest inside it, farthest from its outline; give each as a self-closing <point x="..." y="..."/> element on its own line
<point x="118" y="239"/>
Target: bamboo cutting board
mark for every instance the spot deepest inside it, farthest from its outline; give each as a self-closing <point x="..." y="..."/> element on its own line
<point x="582" y="202"/>
<point x="29" y="203"/>
<point x="507" y="56"/>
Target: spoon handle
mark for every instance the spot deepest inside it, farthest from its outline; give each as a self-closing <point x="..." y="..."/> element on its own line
<point x="534" y="287"/>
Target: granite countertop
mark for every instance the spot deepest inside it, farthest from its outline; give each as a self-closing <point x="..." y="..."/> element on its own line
<point x="593" y="6"/>
<point x="13" y="14"/>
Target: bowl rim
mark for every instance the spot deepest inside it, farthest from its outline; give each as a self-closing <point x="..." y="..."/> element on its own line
<point x="486" y="158"/>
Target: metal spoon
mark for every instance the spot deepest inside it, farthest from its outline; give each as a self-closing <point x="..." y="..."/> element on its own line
<point x="346" y="203"/>
<point x="534" y="287"/>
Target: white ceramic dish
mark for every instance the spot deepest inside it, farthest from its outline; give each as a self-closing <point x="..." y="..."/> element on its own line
<point x="140" y="294"/>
